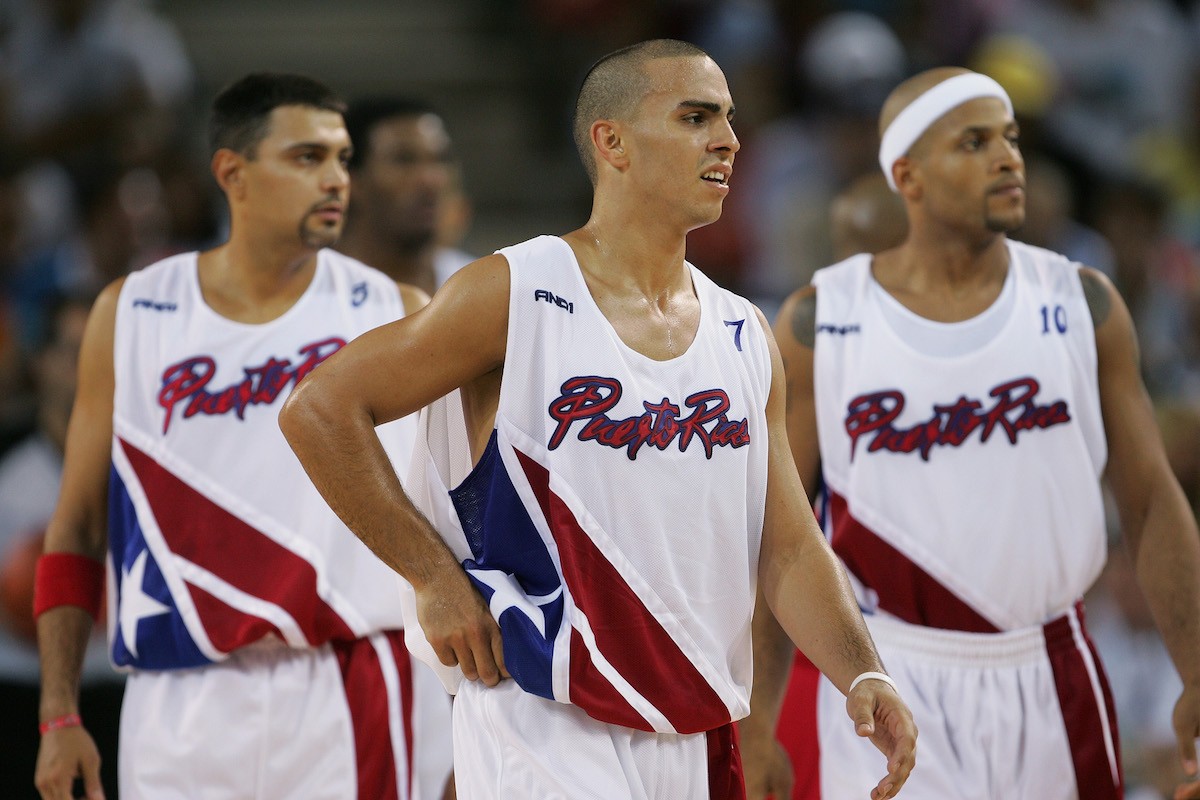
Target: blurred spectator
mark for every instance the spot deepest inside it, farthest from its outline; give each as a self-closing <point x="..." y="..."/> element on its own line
<point x="1144" y="683"/>
<point x="1123" y="68"/>
<point x="1180" y="426"/>
<point x="99" y="249"/>
<point x="1159" y="276"/>
<point x="1051" y="220"/>
<point x="748" y="39"/>
<point x="85" y="76"/>
<point x="30" y="474"/>
<point x="849" y="61"/>
<point x="89" y="90"/>
<point x="15" y="402"/>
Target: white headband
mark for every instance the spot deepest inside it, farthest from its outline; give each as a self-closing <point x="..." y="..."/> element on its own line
<point x="927" y="109"/>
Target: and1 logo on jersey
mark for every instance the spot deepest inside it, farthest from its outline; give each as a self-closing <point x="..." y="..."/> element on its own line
<point x="186" y="382"/>
<point x="553" y="299"/>
<point x="1014" y="409"/>
<point x="587" y="398"/>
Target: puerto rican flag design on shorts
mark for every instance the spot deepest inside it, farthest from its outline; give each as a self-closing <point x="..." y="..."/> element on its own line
<point x="579" y="625"/>
<point x="189" y="575"/>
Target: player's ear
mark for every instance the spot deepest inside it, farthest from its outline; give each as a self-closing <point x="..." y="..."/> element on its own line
<point x="908" y="181"/>
<point x="606" y="138"/>
<point x="227" y="167"/>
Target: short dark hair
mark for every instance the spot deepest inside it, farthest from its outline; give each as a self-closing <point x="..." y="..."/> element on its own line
<point x="614" y="86"/>
<point x="365" y="114"/>
<point x="242" y="110"/>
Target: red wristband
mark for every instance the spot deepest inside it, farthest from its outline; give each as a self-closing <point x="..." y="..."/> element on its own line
<point x="68" y="579"/>
<point x="65" y="721"/>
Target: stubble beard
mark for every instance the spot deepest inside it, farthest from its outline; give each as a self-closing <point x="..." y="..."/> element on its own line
<point x="320" y="235"/>
<point x="1004" y="223"/>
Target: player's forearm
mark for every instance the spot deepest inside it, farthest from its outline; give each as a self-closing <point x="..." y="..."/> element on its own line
<point x="813" y="602"/>
<point x="345" y="460"/>
<point x="1167" y="558"/>
<point x="63" y="634"/>
<point x="773" y="656"/>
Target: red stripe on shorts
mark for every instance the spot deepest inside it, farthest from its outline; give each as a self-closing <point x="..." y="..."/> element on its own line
<point x="405" y="671"/>
<point x="725" y="778"/>
<point x="366" y="693"/>
<point x="797" y="729"/>
<point x="1081" y="712"/>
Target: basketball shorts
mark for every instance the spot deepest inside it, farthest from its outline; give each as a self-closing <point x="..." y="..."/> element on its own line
<point x="512" y="744"/>
<point x="346" y="721"/>
<point x="1020" y="715"/>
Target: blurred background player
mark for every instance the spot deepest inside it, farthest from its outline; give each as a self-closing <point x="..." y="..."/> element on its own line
<point x="409" y="204"/>
<point x="263" y="641"/>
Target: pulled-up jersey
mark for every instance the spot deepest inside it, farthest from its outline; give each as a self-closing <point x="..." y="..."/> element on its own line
<point x="613" y="522"/>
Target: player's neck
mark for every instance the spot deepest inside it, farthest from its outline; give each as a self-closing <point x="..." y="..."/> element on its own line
<point x="952" y="262"/>
<point x="252" y="282"/>
<point x="941" y="281"/>
<point x="633" y="257"/>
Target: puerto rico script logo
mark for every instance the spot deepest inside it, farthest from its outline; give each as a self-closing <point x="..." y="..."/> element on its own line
<point x="1013" y="408"/>
<point x="585" y="401"/>
<point x="185" y="384"/>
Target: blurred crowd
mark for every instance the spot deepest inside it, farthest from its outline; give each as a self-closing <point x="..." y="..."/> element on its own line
<point x="103" y="170"/>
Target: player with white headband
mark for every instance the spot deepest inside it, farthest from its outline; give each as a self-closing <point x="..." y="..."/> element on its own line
<point x="960" y="398"/>
<point x="928" y="108"/>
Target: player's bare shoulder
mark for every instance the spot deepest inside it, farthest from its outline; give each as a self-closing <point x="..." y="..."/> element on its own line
<point x="102" y="322"/>
<point x="1099" y="292"/>
<point x="471" y="308"/>
<point x="797" y="319"/>
<point x="414" y="299"/>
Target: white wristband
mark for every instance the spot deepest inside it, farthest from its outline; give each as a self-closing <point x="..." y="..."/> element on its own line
<point x="872" y="676"/>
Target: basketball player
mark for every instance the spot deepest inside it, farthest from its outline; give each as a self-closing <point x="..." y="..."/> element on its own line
<point x="627" y="421"/>
<point x="405" y="178"/>
<point x="963" y="396"/>
<point x="262" y="639"/>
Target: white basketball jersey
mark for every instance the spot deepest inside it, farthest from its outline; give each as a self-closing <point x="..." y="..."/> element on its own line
<point x="614" y="520"/>
<point x="217" y="536"/>
<point x="962" y="461"/>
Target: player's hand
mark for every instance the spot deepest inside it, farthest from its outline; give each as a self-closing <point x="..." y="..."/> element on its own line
<point x="66" y="754"/>
<point x="1187" y="728"/>
<point x="460" y="628"/>
<point x="766" y="767"/>
<point x="880" y="715"/>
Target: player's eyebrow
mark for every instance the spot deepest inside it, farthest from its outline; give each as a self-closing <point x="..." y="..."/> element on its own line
<point x="705" y="105"/>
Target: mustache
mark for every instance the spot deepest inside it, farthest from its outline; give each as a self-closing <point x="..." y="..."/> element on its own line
<point x="330" y="200"/>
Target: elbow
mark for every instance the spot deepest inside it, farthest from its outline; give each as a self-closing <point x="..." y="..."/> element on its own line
<point x="302" y="414"/>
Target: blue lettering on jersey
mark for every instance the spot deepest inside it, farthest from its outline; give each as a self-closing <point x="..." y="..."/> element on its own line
<point x="736" y="324"/>
<point x="358" y="294"/>
<point x="1014" y="410"/>
<point x="153" y="305"/>
<point x="587" y="398"/>
<point x="186" y="382"/>
<point x="839" y="330"/>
